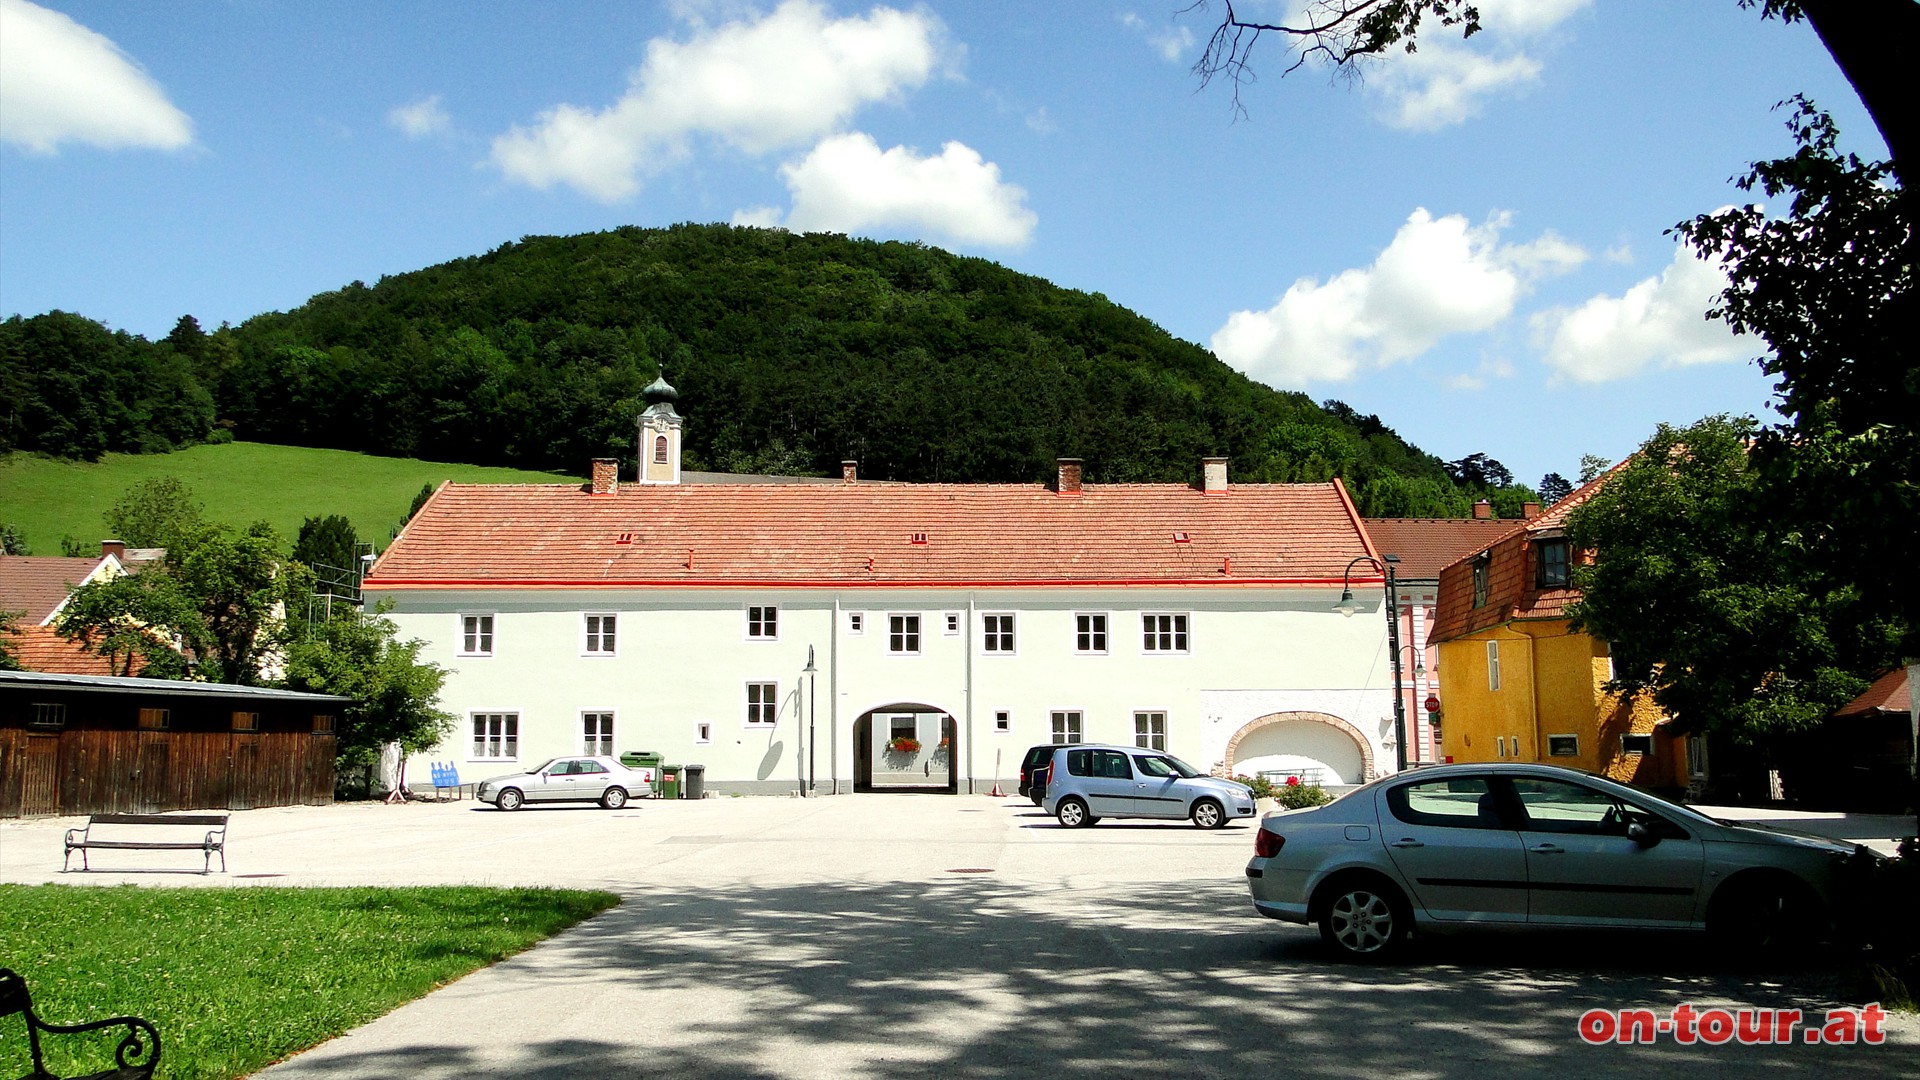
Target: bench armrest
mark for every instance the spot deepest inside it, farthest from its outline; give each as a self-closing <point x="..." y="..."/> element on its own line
<point x="80" y="833"/>
<point x="134" y="1055"/>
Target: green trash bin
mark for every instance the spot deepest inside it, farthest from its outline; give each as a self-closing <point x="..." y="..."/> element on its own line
<point x="641" y="759"/>
<point x="669" y="781"/>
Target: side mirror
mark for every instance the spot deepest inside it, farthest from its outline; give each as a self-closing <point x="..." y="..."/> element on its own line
<point x="1642" y="835"/>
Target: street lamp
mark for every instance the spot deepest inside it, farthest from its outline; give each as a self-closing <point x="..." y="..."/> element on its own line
<point x="1347" y="606"/>
<point x="812" y="674"/>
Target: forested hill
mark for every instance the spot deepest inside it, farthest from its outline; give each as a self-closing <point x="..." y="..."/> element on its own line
<point x="790" y="352"/>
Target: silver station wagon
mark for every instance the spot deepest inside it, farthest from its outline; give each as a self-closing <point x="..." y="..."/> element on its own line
<point x="1086" y="783"/>
<point x="565" y="779"/>
<point x="1535" y="845"/>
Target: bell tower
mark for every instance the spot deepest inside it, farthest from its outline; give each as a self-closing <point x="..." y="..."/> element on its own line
<point x="660" y="434"/>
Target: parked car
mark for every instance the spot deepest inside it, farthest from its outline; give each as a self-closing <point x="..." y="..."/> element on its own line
<point x="1536" y="845"/>
<point x="565" y="779"/>
<point x="1085" y="783"/>
<point x="1033" y="772"/>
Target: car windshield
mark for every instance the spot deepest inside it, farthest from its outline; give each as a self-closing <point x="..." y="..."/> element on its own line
<point x="542" y="767"/>
<point x="1165" y="765"/>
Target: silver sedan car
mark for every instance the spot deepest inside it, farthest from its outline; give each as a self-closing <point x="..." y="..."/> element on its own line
<point x="1535" y="845"/>
<point x="566" y="779"/>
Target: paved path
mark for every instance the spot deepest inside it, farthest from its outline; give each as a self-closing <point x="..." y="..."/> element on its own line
<point x="850" y="938"/>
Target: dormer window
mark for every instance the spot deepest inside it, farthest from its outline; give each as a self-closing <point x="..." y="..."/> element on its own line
<point x="1551" y="564"/>
<point x="1482" y="564"/>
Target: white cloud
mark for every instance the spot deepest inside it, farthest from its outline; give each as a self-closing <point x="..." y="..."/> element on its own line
<point x="1438" y="277"/>
<point x="420" y="119"/>
<point x="1173" y="43"/>
<point x="848" y="184"/>
<point x="61" y="82"/>
<point x="758" y="86"/>
<point x="1660" y="321"/>
<point x="1450" y="79"/>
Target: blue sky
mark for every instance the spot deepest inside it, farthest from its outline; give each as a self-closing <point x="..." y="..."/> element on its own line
<point x="1468" y="242"/>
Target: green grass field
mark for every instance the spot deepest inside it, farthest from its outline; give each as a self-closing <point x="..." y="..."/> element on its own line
<point x="235" y="979"/>
<point x="239" y="483"/>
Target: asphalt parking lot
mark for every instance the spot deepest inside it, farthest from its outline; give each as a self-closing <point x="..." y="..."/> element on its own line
<point x="923" y="936"/>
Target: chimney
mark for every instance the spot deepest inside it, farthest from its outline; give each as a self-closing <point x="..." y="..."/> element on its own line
<point x="115" y="548"/>
<point x="1530" y="510"/>
<point x="606" y="475"/>
<point x="849" y="471"/>
<point x="1069" y="483"/>
<point x="1482" y="510"/>
<point x="1213" y="476"/>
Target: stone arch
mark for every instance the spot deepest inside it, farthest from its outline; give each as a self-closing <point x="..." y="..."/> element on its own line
<point x="1334" y="722"/>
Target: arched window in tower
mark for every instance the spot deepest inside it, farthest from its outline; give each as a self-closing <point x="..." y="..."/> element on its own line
<point x="659" y="449"/>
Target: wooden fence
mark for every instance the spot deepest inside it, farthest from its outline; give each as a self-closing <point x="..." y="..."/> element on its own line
<point x="145" y="772"/>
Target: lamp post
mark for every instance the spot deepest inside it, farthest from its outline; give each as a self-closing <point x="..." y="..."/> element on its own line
<point x="1347" y="606"/>
<point x="812" y="674"/>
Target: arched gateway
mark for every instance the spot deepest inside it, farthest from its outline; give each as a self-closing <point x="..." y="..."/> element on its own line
<point x="1308" y="742"/>
<point x="906" y="746"/>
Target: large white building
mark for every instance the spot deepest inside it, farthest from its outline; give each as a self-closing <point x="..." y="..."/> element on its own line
<point x="787" y="636"/>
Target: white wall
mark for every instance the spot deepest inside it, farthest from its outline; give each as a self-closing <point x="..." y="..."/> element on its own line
<point x="683" y="659"/>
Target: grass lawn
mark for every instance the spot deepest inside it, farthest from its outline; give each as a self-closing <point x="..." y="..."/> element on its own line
<point x="237" y="978"/>
<point x="238" y="482"/>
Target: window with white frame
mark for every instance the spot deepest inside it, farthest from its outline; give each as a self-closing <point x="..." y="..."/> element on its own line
<point x="763" y="622"/>
<point x="600" y="635"/>
<point x="596" y="733"/>
<point x="1150" y="730"/>
<point x="763" y="703"/>
<point x="1500" y="741"/>
<point x="1066" y="726"/>
<point x="476" y="635"/>
<point x="1493" y="665"/>
<point x="953" y="623"/>
<point x="703" y="732"/>
<point x="996" y="633"/>
<point x="856" y="622"/>
<point x="496" y="736"/>
<point x="1002" y="722"/>
<point x="903" y="634"/>
<point x="1090" y="633"/>
<point x="1163" y="633"/>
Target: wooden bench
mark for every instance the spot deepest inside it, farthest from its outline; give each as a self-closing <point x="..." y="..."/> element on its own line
<point x="141" y="1041"/>
<point x="214" y="841"/>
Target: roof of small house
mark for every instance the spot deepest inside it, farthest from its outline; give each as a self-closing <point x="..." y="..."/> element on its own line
<point x="842" y="535"/>
<point x="41" y="648"/>
<point x="158" y="687"/>
<point x="1425" y="545"/>
<point x="39" y="584"/>
<point x="1888" y="694"/>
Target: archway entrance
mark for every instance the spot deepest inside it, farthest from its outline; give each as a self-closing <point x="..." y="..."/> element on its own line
<point x="906" y="746"/>
<point x="1315" y="746"/>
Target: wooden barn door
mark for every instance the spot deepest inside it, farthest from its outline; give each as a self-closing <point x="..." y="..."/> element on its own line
<point x="40" y="793"/>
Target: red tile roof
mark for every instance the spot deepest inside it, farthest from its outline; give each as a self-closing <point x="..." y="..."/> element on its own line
<point x="1888" y="694"/>
<point x="39" y="583"/>
<point x="858" y="534"/>
<point x="1425" y="545"/>
<point x="39" y="648"/>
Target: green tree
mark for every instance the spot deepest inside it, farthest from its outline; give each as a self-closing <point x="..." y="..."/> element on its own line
<point x="395" y="695"/>
<point x="155" y="513"/>
<point x="12" y="540"/>
<point x="330" y="548"/>
<point x="141" y="623"/>
<point x="1727" y="612"/>
<point x="1554" y="487"/>
<point x="241" y="588"/>
<point x="9" y="628"/>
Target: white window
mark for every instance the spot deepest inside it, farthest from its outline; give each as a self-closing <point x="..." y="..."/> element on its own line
<point x="953" y="623"/>
<point x="1090" y="633"/>
<point x="600" y="636"/>
<point x="1493" y="665"/>
<point x="596" y="733"/>
<point x="996" y="633"/>
<point x="1002" y="722"/>
<point x="1563" y="746"/>
<point x="1637" y="744"/>
<point x="763" y="703"/>
<point x="703" y="733"/>
<point x="1066" y="727"/>
<point x="1697" y="756"/>
<point x="763" y="623"/>
<point x="496" y="736"/>
<point x="1163" y="633"/>
<point x="856" y="622"/>
<point x="659" y="449"/>
<point x="1501" y="742"/>
<point x="903" y="634"/>
<point x="50" y="716"/>
<point x="476" y="635"/>
<point x="1150" y="730"/>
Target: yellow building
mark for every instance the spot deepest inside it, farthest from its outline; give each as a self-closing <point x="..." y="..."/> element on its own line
<point x="1520" y="684"/>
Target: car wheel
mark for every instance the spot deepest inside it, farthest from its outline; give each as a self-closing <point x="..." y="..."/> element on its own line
<point x="1761" y="913"/>
<point x="1208" y="814"/>
<point x="614" y="799"/>
<point x="1364" y="919"/>
<point x="510" y="799"/>
<point x="1073" y="814"/>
